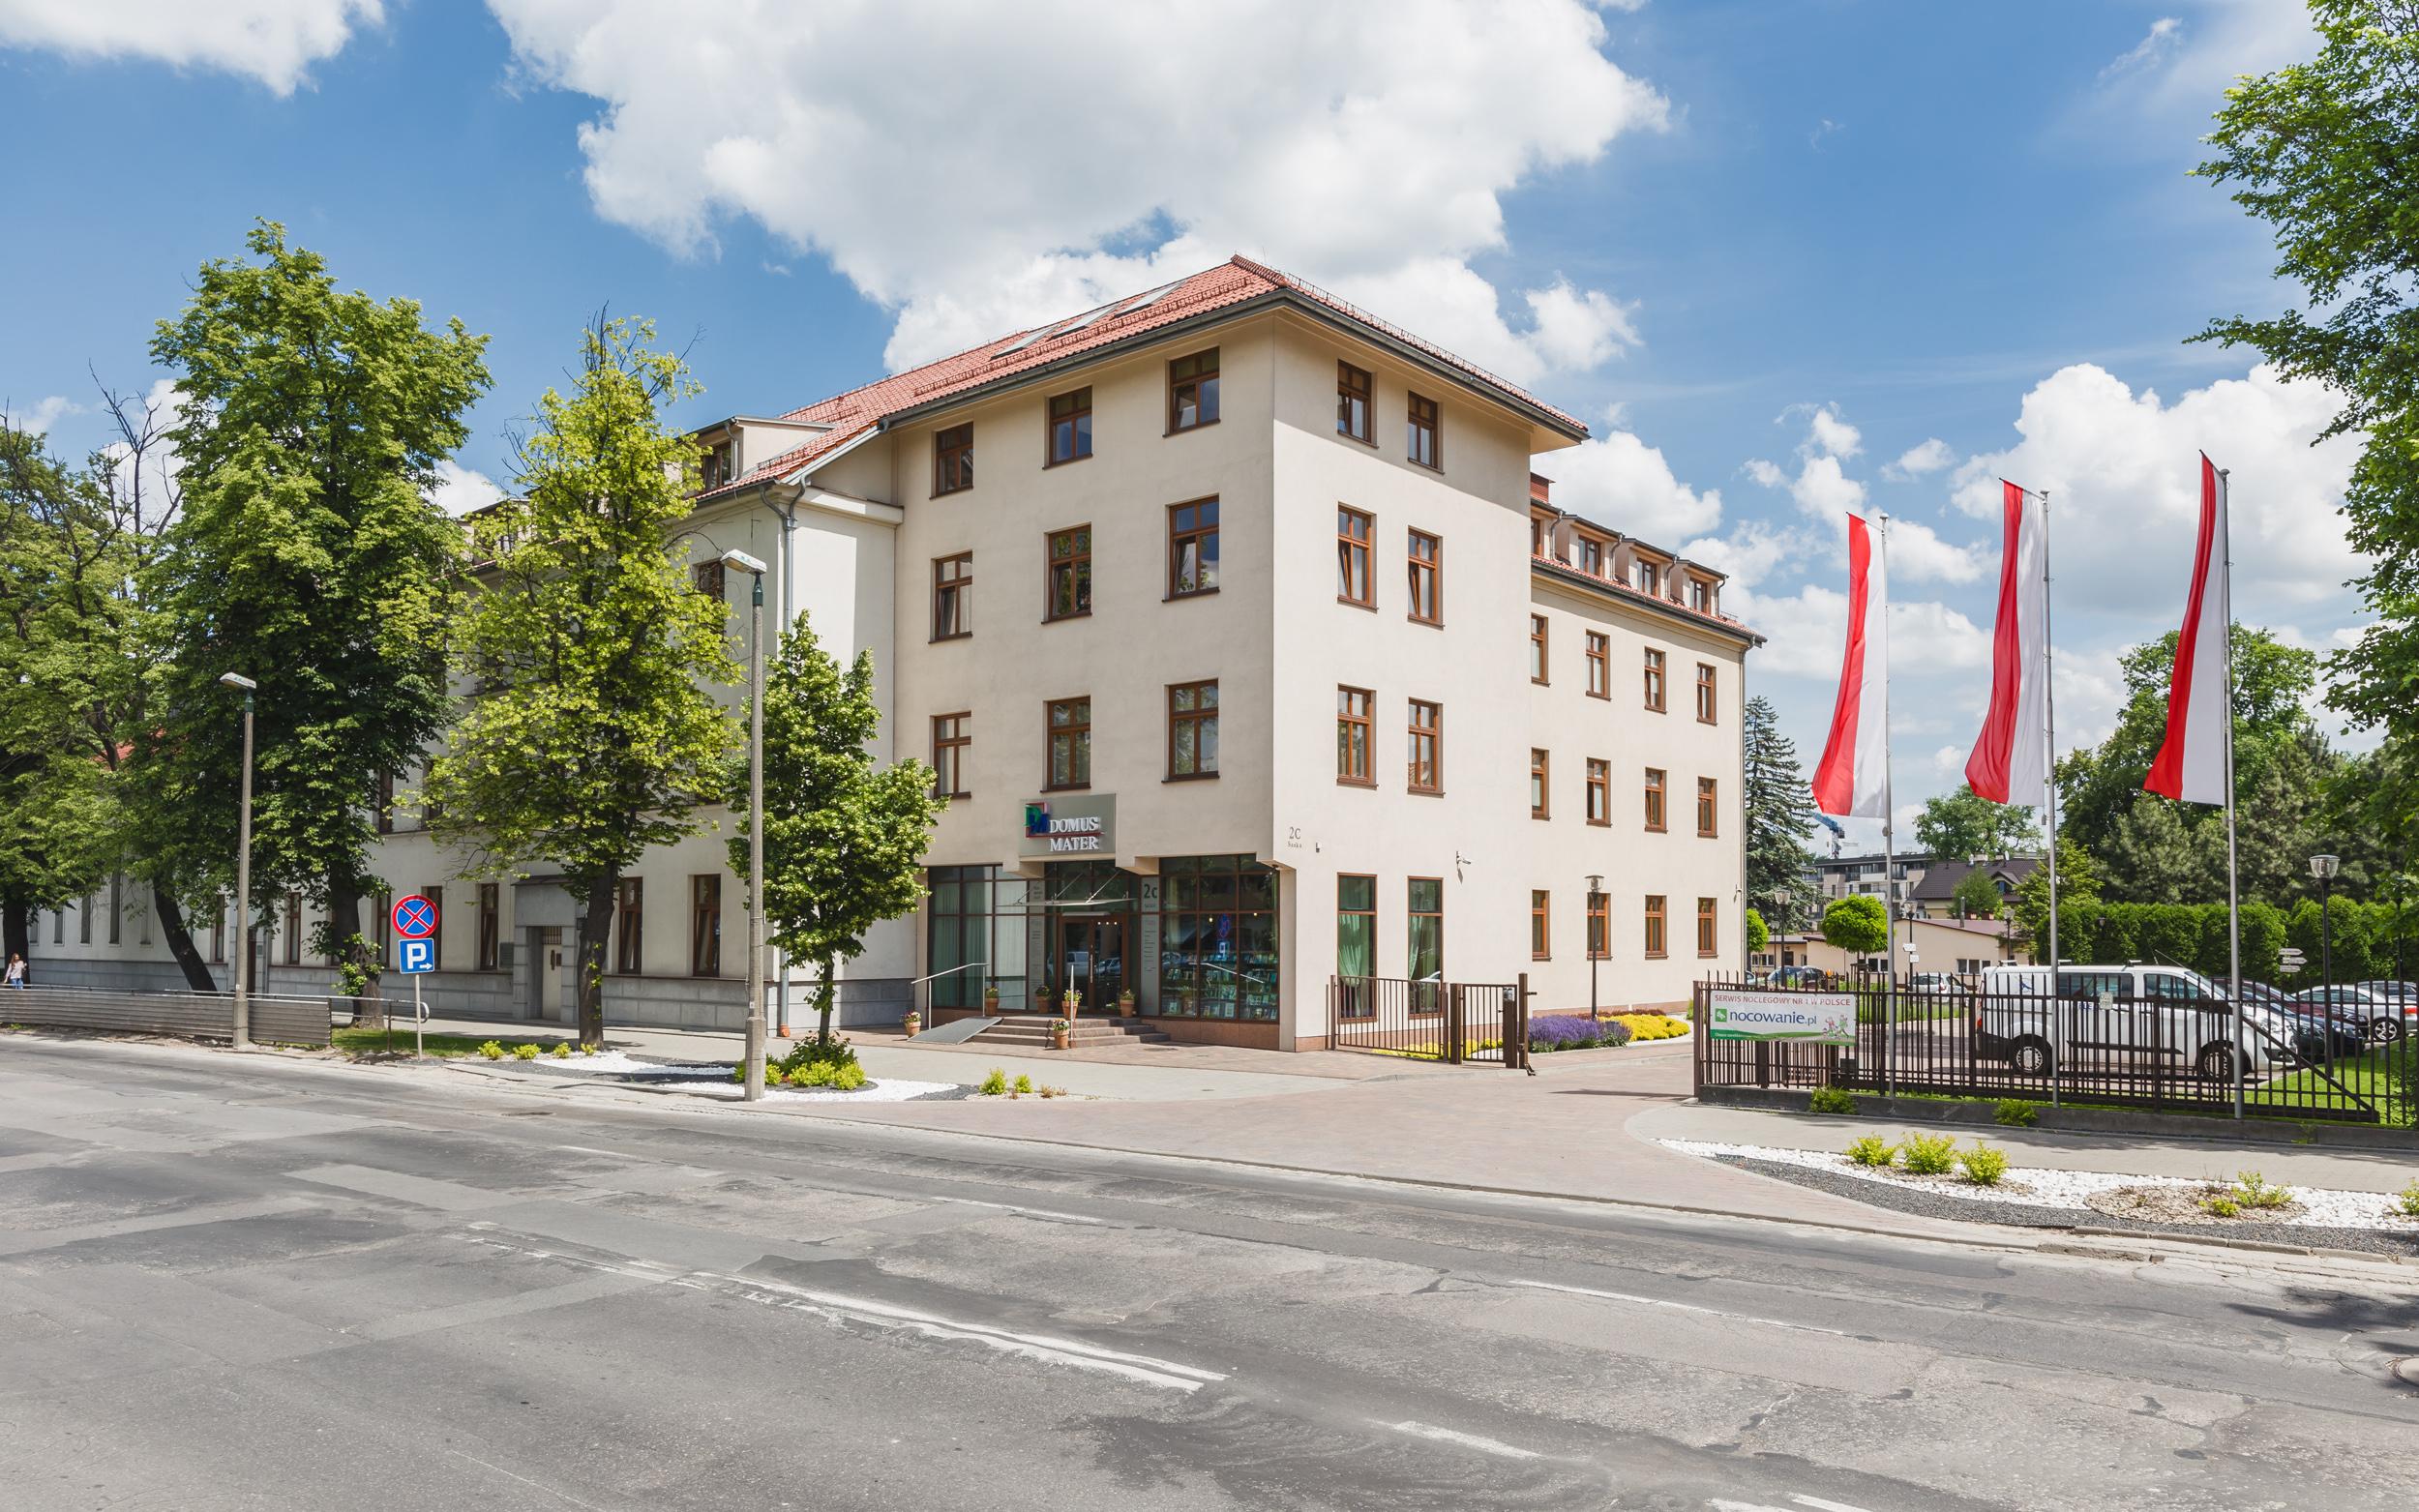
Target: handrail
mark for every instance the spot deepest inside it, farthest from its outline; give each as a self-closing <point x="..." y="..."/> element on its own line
<point x="952" y="972"/>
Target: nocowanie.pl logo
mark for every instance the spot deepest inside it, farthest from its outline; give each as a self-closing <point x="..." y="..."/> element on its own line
<point x="1722" y="1015"/>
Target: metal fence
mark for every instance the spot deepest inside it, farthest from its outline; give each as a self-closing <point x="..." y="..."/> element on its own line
<point x="1457" y="1022"/>
<point x="202" y="1016"/>
<point x="1953" y="1036"/>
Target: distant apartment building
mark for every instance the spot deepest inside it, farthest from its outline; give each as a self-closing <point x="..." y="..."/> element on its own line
<point x="1249" y="651"/>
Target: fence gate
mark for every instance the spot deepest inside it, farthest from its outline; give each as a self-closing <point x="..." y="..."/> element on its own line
<point x="1456" y="1022"/>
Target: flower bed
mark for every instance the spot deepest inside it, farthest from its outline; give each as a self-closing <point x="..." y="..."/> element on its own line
<point x="1576" y="1031"/>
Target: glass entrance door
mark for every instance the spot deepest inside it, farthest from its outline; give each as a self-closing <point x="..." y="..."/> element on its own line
<point x="1090" y="959"/>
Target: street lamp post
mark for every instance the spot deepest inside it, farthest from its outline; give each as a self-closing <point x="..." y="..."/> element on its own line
<point x="753" y="1086"/>
<point x="243" y="872"/>
<point x="2324" y="867"/>
<point x="1595" y="893"/>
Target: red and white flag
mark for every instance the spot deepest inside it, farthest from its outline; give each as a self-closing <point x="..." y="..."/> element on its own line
<point x="2192" y="763"/>
<point x="2010" y="763"/>
<point x="1852" y="777"/>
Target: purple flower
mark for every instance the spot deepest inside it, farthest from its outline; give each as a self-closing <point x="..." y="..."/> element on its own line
<point x="1574" y="1031"/>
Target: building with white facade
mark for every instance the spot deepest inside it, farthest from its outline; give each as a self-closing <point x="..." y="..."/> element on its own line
<point x="1250" y="651"/>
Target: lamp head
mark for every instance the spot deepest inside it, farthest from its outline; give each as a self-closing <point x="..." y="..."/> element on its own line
<point x="2324" y="867"/>
<point x="238" y="680"/>
<point x="741" y="562"/>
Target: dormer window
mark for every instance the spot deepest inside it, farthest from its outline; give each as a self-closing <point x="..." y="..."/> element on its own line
<point x="720" y="464"/>
<point x="1650" y="579"/>
<point x="1701" y="596"/>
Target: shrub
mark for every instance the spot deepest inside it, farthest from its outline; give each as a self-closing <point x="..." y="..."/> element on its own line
<point x="590" y="1049"/>
<point x="993" y="1084"/>
<point x="1930" y="1154"/>
<point x="1871" y="1150"/>
<point x="2015" y="1112"/>
<point x="1060" y="1091"/>
<point x="848" y="1077"/>
<point x="2221" y="1205"/>
<point x="525" y="1051"/>
<point x="2254" y="1190"/>
<point x="492" y="1050"/>
<point x="1830" y="1100"/>
<point x="1983" y="1165"/>
<point x="1023" y="1084"/>
<point x="833" y="1051"/>
<point x="562" y="1052"/>
<point x="2407" y="1203"/>
<point x="1651" y="1025"/>
<point x="1575" y="1031"/>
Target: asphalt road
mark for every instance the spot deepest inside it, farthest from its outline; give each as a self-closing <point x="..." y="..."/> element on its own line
<point x="257" y="1283"/>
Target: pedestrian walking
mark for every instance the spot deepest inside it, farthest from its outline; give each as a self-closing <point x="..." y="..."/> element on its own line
<point x="16" y="971"/>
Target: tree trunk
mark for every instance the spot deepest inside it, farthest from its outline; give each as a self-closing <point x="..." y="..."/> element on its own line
<point x="594" y="926"/>
<point x="346" y="948"/>
<point x="17" y="933"/>
<point x="180" y="940"/>
<point x="824" y="994"/>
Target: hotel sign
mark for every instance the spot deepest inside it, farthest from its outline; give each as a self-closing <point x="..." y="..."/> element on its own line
<point x="1080" y="826"/>
<point x="1817" y="1017"/>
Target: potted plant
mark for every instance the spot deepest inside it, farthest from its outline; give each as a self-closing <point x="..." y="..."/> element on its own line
<point x="1059" y="1029"/>
<point x="1071" y="1003"/>
<point x="991" y="1000"/>
<point x="1126" y="1002"/>
<point x="914" y="1022"/>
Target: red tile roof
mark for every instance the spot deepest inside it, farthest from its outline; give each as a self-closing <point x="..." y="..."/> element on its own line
<point x="1235" y="281"/>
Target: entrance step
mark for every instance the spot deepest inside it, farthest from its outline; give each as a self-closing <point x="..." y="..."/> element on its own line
<point x="1033" y="1029"/>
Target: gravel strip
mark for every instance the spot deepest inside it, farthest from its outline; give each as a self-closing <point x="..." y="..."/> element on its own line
<point x="1937" y="1203"/>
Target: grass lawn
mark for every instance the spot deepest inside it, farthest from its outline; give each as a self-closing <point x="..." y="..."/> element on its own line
<point x="2372" y="1075"/>
<point x="378" y="1041"/>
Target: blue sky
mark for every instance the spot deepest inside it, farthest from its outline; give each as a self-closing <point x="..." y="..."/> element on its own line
<point x="1771" y="250"/>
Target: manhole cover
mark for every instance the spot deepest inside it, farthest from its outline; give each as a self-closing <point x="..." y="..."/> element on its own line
<point x="2407" y="1370"/>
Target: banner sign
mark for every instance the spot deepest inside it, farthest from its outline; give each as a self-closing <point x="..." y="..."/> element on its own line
<point x="1819" y="1017"/>
<point x="1081" y="825"/>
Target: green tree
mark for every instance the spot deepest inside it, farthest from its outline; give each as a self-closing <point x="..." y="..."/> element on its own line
<point x="844" y="840"/>
<point x="594" y="733"/>
<point x="1976" y="894"/>
<point x="2079" y="904"/>
<point x="2151" y="855"/>
<point x="2327" y="153"/>
<point x="1780" y="815"/>
<point x="1960" y="825"/>
<point x="1759" y="934"/>
<point x="309" y="557"/>
<point x="1856" y="924"/>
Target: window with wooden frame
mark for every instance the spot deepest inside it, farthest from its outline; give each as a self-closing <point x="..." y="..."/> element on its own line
<point x="293" y="925"/>
<point x="490" y="926"/>
<point x="953" y="596"/>
<point x="950" y="739"/>
<point x="1424" y="960"/>
<point x="1353" y="708"/>
<point x="1600" y="790"/>
<point x="1353" y="584"/>
<point x="218" y="934"/>
<point x="1536" y="648"/>
<point x="1599" y="665"/>
<point x="1541" y="924"/>
<point x="1352" y="402"/>
<point x="1541" y="788"/>
<point x="717" y="465"/>
<point x="1654" y="936"/>
<point x="1192" y="548"/>
<point x="1069" y="722"/>
<point x="1422" y="441"/>
<point x="953" y="459"/>
<point x="1707" y="928"/>
<point x="1357" y="927"/>
<point x="1193" y="391"/>
<point x="1069" y="438"/>
<point x="705" y="925"/>
<point x="1705" y="806"/>
<point x="1066" y="587"/>
<point x="1655" y="790"/>
<point x="1649" y="577"/>
<point x="707" y="577"/>
<point x="1589" y="557"/>
<point x="386" y="803"/>
<point x="1426" y="557"/>
<point x="1700" y="596"/>
<point x="1427" y="747"/>
<point x="1599" y="925"/>
<point x="1654" y="680"/>
<point x="1706" y="708"/>
<point x="629" y="926"/>
<point x="1193" y="730"/>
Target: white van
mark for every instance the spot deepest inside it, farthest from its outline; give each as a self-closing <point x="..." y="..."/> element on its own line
<point x="2128" y="1019"/>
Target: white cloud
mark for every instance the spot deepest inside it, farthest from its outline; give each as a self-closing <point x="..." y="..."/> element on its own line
<point x="460" y="489"/>
<point x="2123" y="474"/>
<point x="1919" y="460"/>
<point x="1805" y="630"/>
<point x="1917" y="553"/>
<point x="1823" y="492"/>
<point x="1367" y="145"/>
<point x="1829" y="435"/>
<point x="2165" y="33"/>
<point x="1620" y="481"/>
<point x="42" y="414"/>
<point x="272" y="41"/>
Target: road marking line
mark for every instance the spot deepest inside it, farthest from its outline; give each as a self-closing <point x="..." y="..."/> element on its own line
<point x="1494" y="1447"/>
<point x="526" y="1481"/>
<point x="1719" y="1505"/>
<point x="587" y="1150"/>
<point x="1029" y="1212"/>
<point x="1820" y="1505"/>
<point x="1682" y="1307"/>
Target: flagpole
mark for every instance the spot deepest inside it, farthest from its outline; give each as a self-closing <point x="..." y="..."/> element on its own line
<point x="2049" y="797"/>
<point x="2233" y="903"/>
<point x="1889" y="861"/>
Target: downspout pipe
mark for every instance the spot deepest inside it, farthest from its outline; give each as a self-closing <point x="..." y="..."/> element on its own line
<point x="782" y="498"/>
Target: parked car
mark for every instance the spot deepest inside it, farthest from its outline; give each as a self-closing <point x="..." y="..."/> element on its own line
<point x="2317" y="1033"/>
<point x="2126" y="1017"/>
<point x="1932" y="981"/>
<point x="2380" y="1020"/>
<point x="1812" y="978"/>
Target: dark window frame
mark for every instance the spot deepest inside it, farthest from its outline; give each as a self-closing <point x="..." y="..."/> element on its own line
<point x="953" y="459"/>
<point x="1432" y="732"/>
<point x="1202" y="529"/>
<point x="1078" y="737"/>
<point x="1424" y="997"/>
<point x="1657" y="926"/>
<point x="1076" y="564"/>
<point x="630" y="926"/>
<point x="1657" y="679"/>
<point x="1423" y="420"/>
<point x="957" y="590"/>
<point x="706" y="924"/>
<point x="1430" y="567"/>
<point x="1204" y="382"/>
<point x="1355" y="736"/>
<point x="1541" y="660"/>
<point x="1347" y="394"/>
<point x="1077" y="417"/>
<point x="1657" y="800"/>
<point x="1600" y="664"/>
<point x="1541" y="924"/>
<point x="1600" y="790"/>
<point x="1352" y="547"/>
<point x="490" y="926"/>
<point x="949" y="746"/>
<point x="1541" y="783"/>
<point x="1707" y="928"/>
<point x="1708" y="808"/>
<point x="1708" y="696"/>
<point x="1204" y="714"/>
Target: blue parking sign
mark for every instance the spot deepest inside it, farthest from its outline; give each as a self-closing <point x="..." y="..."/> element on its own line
<point x="414" y="956"/>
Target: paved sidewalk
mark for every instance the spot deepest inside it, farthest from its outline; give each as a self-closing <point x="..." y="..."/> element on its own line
<point x="2119" y="1154"/>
